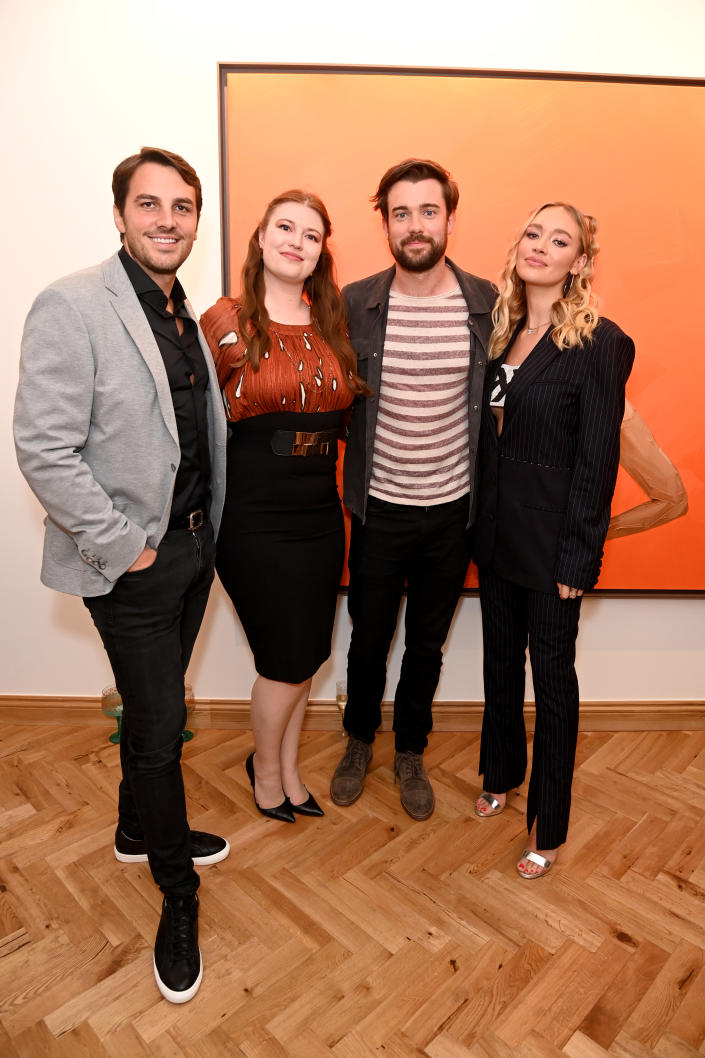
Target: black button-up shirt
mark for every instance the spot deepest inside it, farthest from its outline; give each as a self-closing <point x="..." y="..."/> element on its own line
<point x="188" y="381"/>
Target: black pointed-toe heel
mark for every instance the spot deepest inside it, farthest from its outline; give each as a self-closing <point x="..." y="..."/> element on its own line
<point x="283" y="812"/>
<point x="310" y="807"/>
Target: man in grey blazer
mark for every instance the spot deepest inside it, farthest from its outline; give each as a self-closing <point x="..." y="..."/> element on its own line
<point x="120" y="432"/>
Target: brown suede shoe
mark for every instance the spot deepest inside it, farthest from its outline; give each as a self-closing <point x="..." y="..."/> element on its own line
<point x="348" y="780"/>
<point x="417" y="796"/>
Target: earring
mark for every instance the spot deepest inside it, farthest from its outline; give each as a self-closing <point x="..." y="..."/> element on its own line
<point x="568" y="285"/>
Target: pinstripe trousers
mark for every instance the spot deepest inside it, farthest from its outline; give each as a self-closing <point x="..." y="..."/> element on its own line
<point x="512" y="616"/>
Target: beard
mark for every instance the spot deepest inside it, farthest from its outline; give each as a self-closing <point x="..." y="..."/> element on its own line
<point x="421" y="260"/>
<point x="150" y="259"/>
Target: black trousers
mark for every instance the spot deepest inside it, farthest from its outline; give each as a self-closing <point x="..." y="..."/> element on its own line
<point x="429" y="548"/>
<point x="148" y="624"/>
<point x="511" y="616"/>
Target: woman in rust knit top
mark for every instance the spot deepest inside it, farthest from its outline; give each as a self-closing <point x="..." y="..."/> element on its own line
<point x="288" y="374"/>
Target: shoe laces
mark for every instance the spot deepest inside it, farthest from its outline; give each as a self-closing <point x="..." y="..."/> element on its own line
<point x="411" y="765"/>
<point x="181" y="940"/>
<point x="356" y="752"/>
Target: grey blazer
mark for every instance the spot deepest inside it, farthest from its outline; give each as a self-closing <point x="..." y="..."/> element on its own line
<point x="95" y="429"/>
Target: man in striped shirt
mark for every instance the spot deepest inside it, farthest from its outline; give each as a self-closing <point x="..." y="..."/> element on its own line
<point x="420" y="330"/>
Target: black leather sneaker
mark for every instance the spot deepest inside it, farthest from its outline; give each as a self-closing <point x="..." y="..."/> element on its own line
<point x="177" y="957"/>
<point x="205" y="848"/>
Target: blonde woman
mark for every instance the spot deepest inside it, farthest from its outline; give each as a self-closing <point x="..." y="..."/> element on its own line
<point x="549" y="453"/>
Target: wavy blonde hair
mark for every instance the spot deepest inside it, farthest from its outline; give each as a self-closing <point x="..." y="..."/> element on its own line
<point x="574" y="315"/>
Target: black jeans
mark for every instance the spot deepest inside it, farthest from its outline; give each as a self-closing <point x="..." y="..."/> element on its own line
<point x="148" y="624"/>
<point x="429" y="547"/>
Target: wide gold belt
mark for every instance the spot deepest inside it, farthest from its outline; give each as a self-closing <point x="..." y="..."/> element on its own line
<point x="303" y="443"/>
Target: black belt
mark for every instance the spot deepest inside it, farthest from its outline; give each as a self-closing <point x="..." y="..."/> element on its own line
<point x="300" y="443"/>
<point x="191" y="521"/>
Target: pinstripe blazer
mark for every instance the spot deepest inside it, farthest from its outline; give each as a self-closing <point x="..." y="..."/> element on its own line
<point x="546" y="483"/>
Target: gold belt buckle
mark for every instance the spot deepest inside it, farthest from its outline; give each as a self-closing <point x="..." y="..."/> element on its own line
<point x="308" y="444"/>
<point x="195" y="519"/>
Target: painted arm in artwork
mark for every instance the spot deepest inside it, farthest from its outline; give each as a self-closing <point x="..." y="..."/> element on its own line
<point x="651" y="468"/>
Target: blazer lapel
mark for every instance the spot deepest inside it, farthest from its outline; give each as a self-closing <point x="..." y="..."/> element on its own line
<point x="122" y="295"/>
<point x="543" y="353"/>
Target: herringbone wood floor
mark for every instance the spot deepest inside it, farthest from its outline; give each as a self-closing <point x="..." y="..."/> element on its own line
<point x="363" y="933"/>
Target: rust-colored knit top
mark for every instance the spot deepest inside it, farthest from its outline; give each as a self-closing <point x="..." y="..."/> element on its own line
<point x="299" y="373"/>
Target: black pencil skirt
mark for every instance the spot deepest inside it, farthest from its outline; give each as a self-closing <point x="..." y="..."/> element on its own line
<point x="281" y="542"/>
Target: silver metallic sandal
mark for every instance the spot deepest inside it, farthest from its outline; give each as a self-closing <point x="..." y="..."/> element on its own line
<point x="495" y="806"/>
<point x="541" y="862"/>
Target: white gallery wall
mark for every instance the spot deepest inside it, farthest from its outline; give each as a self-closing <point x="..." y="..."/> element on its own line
<point x="84" y="83"/>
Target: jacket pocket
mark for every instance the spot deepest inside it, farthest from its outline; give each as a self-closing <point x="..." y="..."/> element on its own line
<point x="361" y="347"/>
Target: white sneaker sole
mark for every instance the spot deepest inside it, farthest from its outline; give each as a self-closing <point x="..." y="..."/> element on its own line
<point x="179" y="997"/>
<point x="198" y="861"/>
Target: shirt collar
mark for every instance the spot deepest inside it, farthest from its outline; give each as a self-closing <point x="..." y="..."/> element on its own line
<point x="145" y="285"/>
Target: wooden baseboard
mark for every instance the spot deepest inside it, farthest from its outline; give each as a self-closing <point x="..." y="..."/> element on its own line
<point x="231" y="714"/>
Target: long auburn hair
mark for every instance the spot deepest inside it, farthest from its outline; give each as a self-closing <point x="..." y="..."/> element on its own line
<point x="574" y="315"/>
<point x="320" y="290"/>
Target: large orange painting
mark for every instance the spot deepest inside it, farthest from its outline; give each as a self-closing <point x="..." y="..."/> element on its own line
<point x="632" y="153"/>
